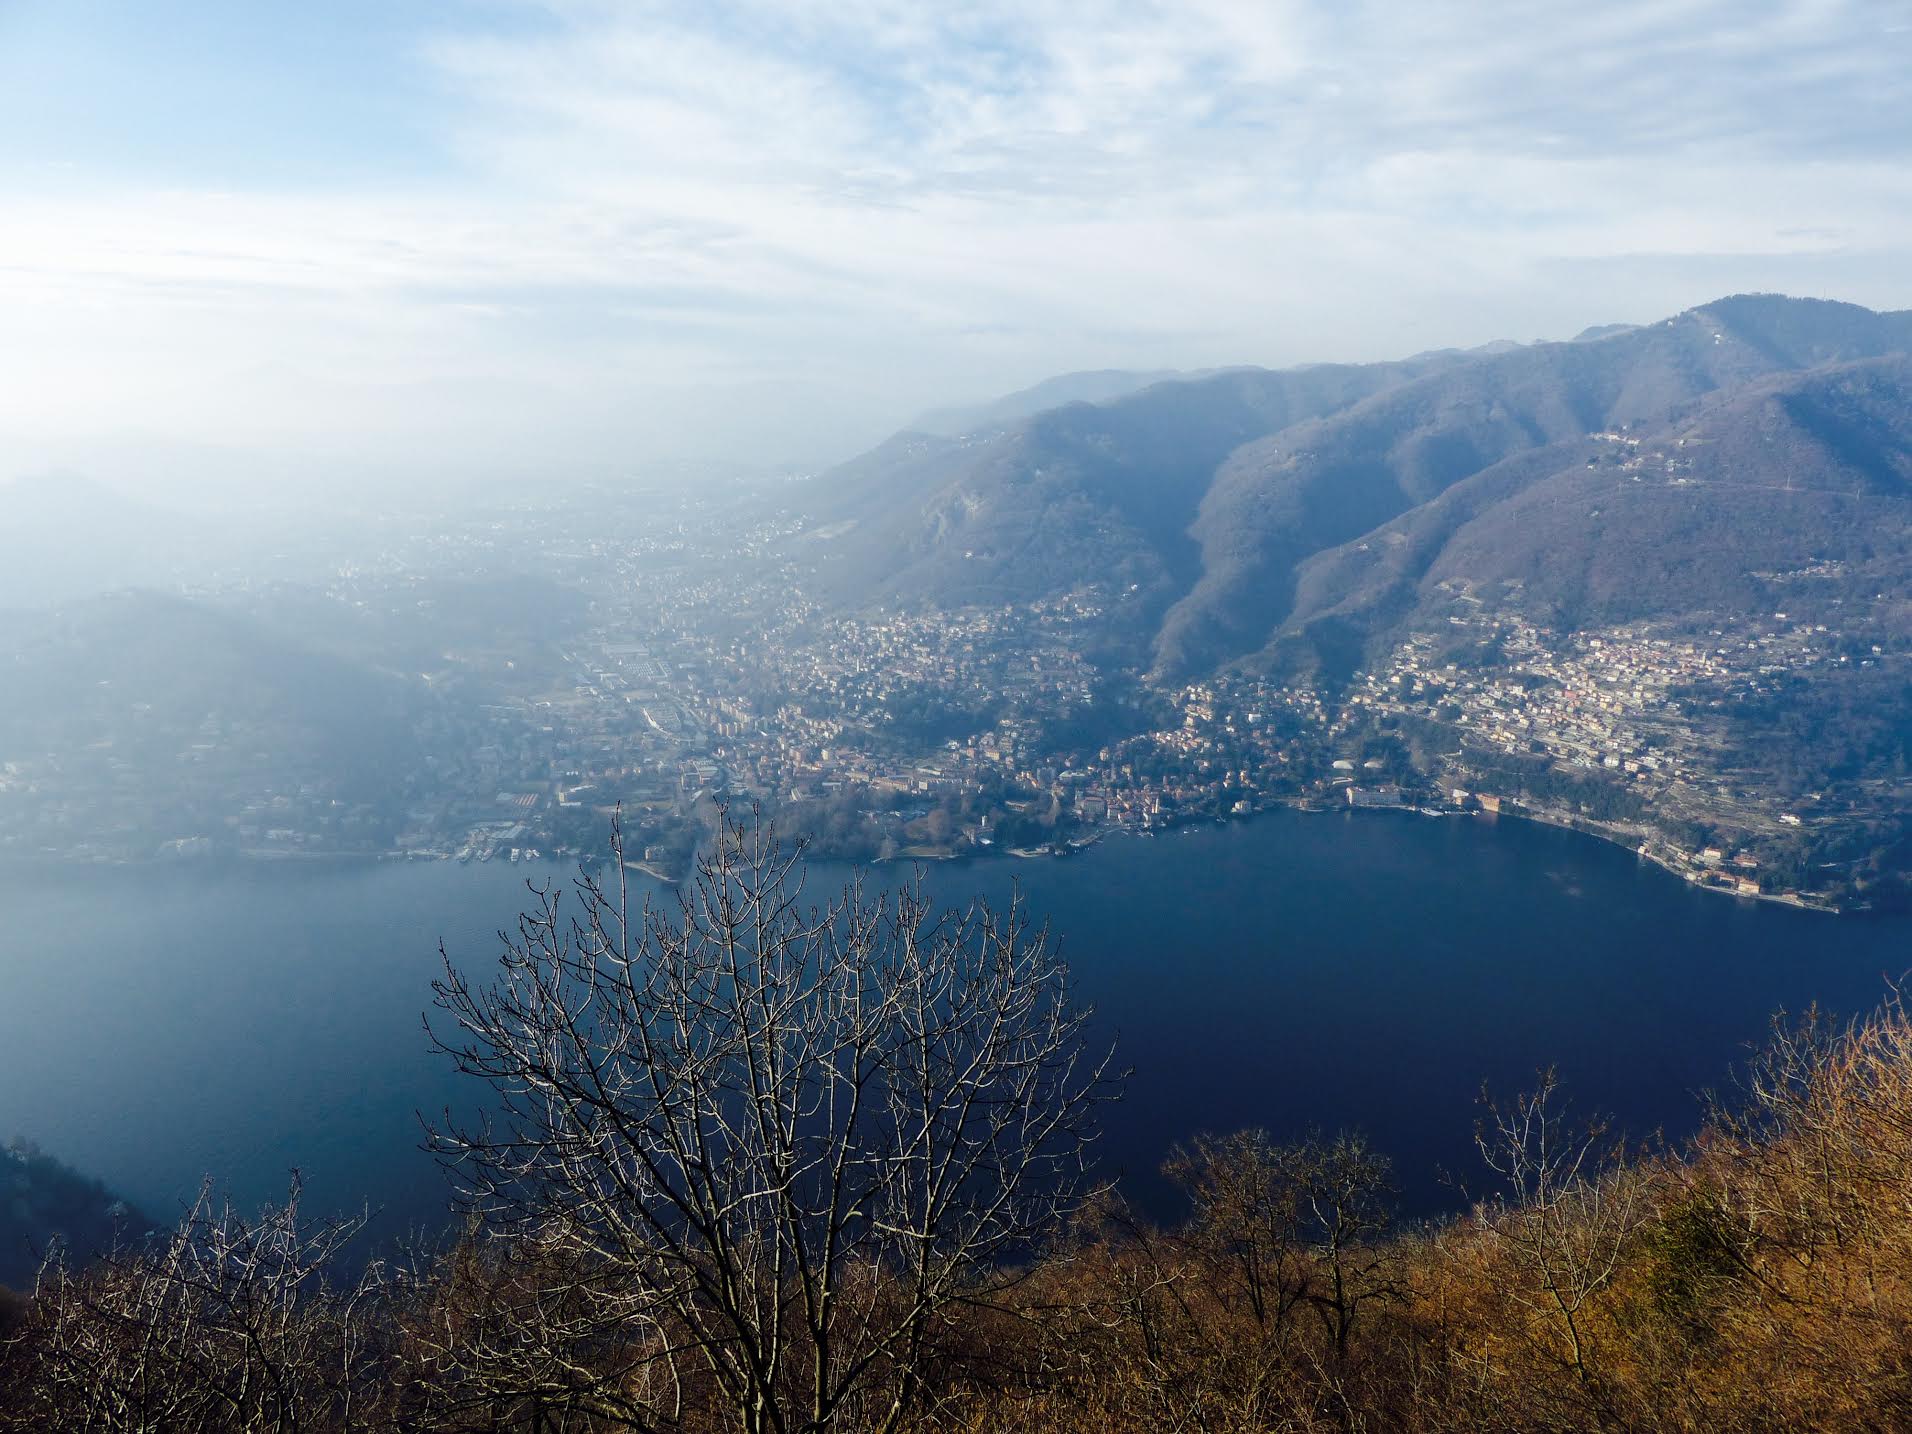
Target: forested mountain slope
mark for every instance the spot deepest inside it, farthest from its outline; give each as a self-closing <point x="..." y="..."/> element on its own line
<point x="1791" y="491"/>
<point x="1075" y="495"/>
<point x="1228" y="514"/>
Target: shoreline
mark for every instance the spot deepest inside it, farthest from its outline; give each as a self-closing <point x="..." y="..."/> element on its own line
<point x="46" y="863"/>
<point x="1686" y="874"/>
<point x="1581" y="826"/>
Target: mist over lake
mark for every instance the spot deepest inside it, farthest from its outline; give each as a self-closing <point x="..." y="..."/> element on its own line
<point x="1367" y="970"/>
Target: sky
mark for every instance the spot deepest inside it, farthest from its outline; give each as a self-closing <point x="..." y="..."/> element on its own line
<point x="282" y="244"/>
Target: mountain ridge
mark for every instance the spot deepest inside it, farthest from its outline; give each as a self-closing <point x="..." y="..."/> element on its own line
<point x="1093" y="386"/>
<point x="1198" y="502"/>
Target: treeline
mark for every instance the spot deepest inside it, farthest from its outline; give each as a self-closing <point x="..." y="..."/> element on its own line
<point x="756" y="1169"/>
<point x="1538" y="780"/>
<point x="1834" y="727"/>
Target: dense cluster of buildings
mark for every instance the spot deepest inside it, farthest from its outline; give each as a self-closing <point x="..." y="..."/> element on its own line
<point x="694" y="666"/>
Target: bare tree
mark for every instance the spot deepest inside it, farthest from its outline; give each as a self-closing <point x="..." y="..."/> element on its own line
<point x="225" y="1324"/>
<point x="1343" y="1189"/>
<point x="1290" y="1226"/>
<point x="1569" y="1209"/>
<point x="1244" y="1225"/>
<point x="760" y="1146"/>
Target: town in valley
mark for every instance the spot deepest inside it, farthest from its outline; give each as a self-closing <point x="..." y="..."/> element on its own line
<point x="656" y="658"/>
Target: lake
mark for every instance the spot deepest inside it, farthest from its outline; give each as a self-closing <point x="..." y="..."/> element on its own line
<point x="1351" y="969"/>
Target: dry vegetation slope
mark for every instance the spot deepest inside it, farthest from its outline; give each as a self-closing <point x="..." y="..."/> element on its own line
<point x="1760" y="1281"/>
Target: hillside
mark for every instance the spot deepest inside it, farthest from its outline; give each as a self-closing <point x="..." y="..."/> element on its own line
<point x="1206" y="502"/>
<point x="1276" y="503"/>
<point x="43" y="1201"/>
<point x="1714" y="513"/>
<point x="142" y="713"/>
<point x="1077" y="495"/>
<point x="1093" y="386"/>
<point x="176" y="663"/>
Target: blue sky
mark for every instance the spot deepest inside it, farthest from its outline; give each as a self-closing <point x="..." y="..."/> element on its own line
<point x="277" y="241"/>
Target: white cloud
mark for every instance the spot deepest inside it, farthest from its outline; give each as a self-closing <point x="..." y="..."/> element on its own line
<point x="777" y="226"/>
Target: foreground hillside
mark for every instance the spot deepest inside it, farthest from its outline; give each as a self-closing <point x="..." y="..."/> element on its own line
<point x="1755" y="1281"/>
<point x="1758" y="1280"/>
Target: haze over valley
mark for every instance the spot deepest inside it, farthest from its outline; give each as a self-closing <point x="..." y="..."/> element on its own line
<point x="1648" y="582"/>
<point x="1083" y="716"/>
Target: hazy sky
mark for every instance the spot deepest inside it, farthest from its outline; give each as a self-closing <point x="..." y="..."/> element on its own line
<point x="296" y="238"/>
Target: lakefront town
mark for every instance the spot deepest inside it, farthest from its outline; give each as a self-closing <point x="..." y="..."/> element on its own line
<point x="684" y="678"/>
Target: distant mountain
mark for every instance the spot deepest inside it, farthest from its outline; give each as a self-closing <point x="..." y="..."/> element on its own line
<point x="63" y="537"/>
<point x="173" y="661"/>
<point x="143" y="713"/>
<point x="1324" y="484"/>
<point x="1095" y="386"/>
<point x="1075" y="495"/>
<point x="420" y="625"/>
<point x="1487" y="350"/>
<point x="1272" y="517"/>
<point x="1601" y="331"/>
<point x="1796" y="472"/>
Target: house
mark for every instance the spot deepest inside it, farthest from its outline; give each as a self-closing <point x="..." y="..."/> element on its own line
<point x="1387" y="794"/>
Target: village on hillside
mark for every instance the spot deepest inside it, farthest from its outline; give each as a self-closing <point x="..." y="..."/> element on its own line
<point x="698" y="670"/>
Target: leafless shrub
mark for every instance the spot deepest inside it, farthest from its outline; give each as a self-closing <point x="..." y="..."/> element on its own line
<point x="1565" y="1214"/>
<point x="225" y="1324"/>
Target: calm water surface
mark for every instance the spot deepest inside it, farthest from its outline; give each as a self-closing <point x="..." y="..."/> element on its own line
<point x="1368" y="970"/>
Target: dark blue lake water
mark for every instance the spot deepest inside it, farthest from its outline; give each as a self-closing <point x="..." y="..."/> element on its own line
<point x="1366" y="970"/>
